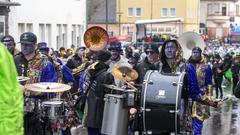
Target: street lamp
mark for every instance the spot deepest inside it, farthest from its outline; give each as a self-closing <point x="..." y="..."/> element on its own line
<point x="107" y="15"/>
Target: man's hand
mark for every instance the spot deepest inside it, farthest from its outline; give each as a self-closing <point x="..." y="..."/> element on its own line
<point x="219" y="102"/>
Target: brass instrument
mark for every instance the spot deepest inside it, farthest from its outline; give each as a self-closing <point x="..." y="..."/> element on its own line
<point x="188" y="41"/>
<point x="95" y="39"/>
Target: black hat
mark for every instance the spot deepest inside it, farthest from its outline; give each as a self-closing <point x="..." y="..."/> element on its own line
<point x="217" y="56"/>
<point x="7" y="38"/>
<point x="81" y="48"/>
<point x="197" y="48"/>
<point x="43" y="46"/>
<point x="103" y="55"/>
<point x="115" y="46"/>
<point x="154" y="47"/>
<point x="28" y="38"/>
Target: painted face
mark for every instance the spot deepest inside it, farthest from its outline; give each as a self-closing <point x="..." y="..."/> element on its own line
<point x="10" y="46"/>
<point x="80" y="53"/>
<point x="151" y="56"/>
<point x="170" y="50"/>
<point x="27" y="49"/>
<point x="196" y="55"/>
<point x="115" y="55"/>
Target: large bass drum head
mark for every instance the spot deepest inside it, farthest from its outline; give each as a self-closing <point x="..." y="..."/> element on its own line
<point x="161" y="102"/>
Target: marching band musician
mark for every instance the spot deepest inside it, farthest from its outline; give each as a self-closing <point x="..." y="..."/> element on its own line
<point x="151" y="62"/>
<point x="9" y="42"/>
<point x="97" y="75"/>
<point x="11" y="98"/>
<point x="116" y="59"/>
<point x="171" y="57"/>
<point x="38" y="68"/>
<point x="199" y="79"/>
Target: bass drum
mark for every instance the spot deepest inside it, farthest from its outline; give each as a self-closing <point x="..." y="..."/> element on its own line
<point x="162" y="103"/>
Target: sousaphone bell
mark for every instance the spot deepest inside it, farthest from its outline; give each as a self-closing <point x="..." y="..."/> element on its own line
<point x="188" y="41"/>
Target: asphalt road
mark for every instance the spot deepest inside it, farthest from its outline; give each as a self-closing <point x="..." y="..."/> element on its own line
<point x="224" y="120"/>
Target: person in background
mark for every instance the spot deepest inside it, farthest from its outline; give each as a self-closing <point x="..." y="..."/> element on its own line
<point x="235" y="67"/>
<point x="218" y="74"/>
<point x="11" y="97"/>
<point x="199" y="76"/>
<point x="117" y="60"/>
<point x="9" y="42"/>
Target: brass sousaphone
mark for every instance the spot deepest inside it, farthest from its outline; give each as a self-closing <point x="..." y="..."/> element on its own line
<point x="95" y="39"/>
<point x="188" y="41"/>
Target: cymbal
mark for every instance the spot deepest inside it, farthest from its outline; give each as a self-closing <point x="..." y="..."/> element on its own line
<point x="124" y="73"/>
<point x="113" y="87"/>
<point x="47" y="87"/>
<point x="22" y="78"/>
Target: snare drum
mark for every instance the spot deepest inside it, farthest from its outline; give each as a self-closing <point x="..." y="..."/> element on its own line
<point x="53" y="109"/>
<point x="129" y="100"/>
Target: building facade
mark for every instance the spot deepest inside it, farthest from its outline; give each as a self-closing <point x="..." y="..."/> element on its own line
<point x="4" y="15"/>
<point x="134" y="10"/>
<point x="216" y="16"/>
<point x="60" y="23"/>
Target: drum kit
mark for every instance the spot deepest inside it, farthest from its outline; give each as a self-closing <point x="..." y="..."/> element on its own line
<point x="48" y="104"/>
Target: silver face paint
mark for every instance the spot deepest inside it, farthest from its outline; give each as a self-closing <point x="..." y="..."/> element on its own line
<point x="170" y="50"/>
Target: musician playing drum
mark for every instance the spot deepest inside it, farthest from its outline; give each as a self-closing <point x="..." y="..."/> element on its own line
<point x="39" y="69"/>
<point x="171" y="57"/>
<point x="199" y="79"/>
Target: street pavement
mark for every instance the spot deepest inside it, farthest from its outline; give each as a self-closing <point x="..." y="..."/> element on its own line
<point x="224" y="120"/>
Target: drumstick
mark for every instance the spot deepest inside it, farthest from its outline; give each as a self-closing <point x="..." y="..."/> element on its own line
<point x="130" y="85"/>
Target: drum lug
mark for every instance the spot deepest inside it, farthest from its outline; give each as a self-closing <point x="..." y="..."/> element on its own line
<point x="146" y="109"/>
<point x="175" y="83"/>
<point x="149" y="82"/>
<point x="173" y="111"/>
<point x="149" y="132"/>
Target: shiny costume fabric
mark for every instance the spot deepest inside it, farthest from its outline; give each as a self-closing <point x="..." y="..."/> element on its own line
<point x="199" y="78"/>
<point x="11" y="97"/>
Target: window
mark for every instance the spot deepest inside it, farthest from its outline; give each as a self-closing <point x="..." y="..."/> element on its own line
<point x="58" y="37"/>
<point x="164" y="12"/>
<point x="2" y="26"/>
<point x="213" y="8"/>
<point x="130" y="12"/>
<point x="21" y="28"/>
<point x="237" y="10"/>
<point x="173" y="12"/>
<point x="74" y="35"/>
<point x="29" y="27"/>
<point x="41" y="32"/>
<point x="138" y="12"/>
<point x="64" y="35"/>
<point x="224" y="9"/>
<point x="49" y="34"/>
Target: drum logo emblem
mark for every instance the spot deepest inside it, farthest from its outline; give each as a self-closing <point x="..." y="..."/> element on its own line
<point x="161" y="94"/>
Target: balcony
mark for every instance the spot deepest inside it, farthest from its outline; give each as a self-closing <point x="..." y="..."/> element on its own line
<point x="218" y="19"/>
